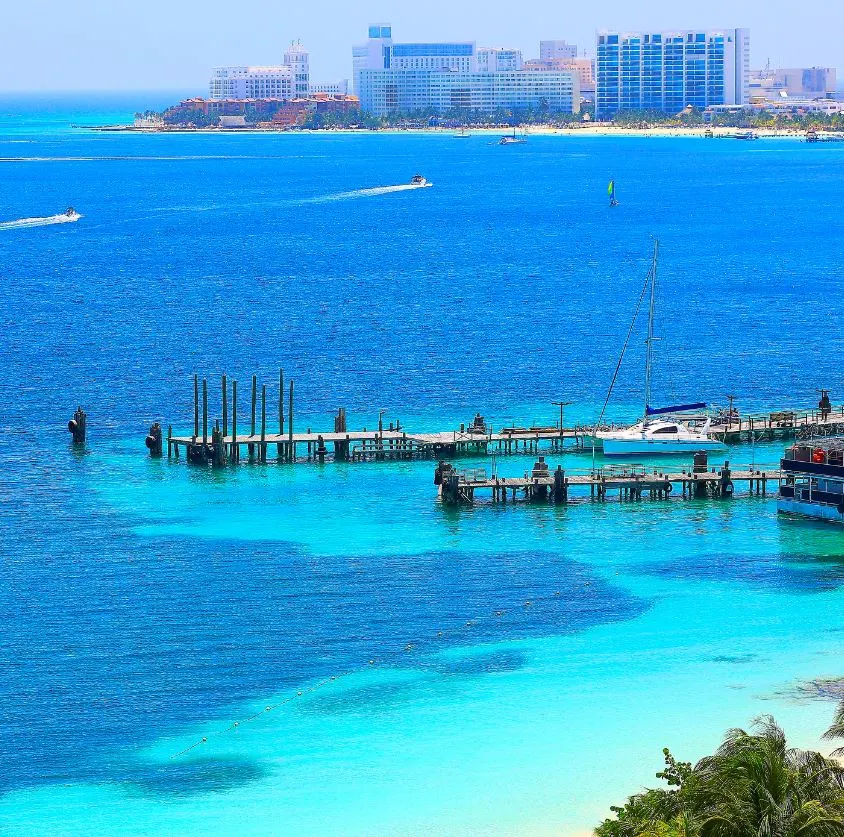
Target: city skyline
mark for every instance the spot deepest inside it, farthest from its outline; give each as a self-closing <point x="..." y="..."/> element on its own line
<point x="91" y="46"/>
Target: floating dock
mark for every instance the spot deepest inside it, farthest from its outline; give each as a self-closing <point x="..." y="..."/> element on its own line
<point x="628" y="483"/>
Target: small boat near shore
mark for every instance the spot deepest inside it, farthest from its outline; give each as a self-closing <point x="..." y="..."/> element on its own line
<point x="508" y="139"/>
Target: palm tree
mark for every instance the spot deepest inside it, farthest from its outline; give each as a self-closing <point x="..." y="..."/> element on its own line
<point x="837" y="729"/>
<point x="757" y="786"/>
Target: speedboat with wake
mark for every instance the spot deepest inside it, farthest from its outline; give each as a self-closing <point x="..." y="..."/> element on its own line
<point x="71" y="214"/>
<point x="659" y="431"/>
<point x="419" y="180"/>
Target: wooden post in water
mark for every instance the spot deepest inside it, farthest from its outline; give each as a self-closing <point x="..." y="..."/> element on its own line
<point x="195" y="406"/>
<point x="252" y="425"/>
<point x="153" y="441"/>
<point x="204" y="411"/>
<point x="219" y="455"/>
<point x="78" y="427"/>
<point x="280" y="445"/>
<point x="263" y="422"/>
<point x="235" y="448"/>
<point x="254" y="400"/>
<point x="292" y="449"/>
<point x="225" y="407"/>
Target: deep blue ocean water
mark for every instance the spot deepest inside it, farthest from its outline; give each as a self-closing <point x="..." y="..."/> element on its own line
<point x="527" y="664"/>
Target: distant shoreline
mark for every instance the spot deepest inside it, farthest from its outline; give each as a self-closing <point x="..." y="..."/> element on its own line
<point x="534" y="130"/>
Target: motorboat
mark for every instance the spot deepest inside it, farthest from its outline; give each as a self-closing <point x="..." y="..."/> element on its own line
<point x="419" y="180"/>
<point x="659" y="431"/>
<point x="71" y="214"/>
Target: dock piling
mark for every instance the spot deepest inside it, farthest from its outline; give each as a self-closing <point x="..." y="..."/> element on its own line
<point x="280" y="445"/>
<point x="263" y="423"/>
<point x="78" y="427"/>
<point x="225" y="407"/>
<point x="291" y="451"/>
<point x="234" y="451"/>
<point x="204" y="411"/>
<point x="153" y="441"/>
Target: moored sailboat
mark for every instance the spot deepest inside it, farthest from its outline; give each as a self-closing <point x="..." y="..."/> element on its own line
<point x="659" y="431"/>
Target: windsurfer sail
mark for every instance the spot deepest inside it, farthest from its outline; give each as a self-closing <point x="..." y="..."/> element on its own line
<point x="611" y="192"/>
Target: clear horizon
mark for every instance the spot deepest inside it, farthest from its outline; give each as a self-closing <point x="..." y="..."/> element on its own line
<point x="96" y="47"/>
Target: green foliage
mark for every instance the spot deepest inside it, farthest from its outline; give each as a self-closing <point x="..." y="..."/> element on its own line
<point x="753" y="786"/>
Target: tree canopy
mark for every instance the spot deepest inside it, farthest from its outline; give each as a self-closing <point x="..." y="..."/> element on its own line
<point x="754" y="785"/>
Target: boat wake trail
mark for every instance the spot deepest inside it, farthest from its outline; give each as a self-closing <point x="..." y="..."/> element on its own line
<point x="26" y="223"/>
<point x="366" y="193"/>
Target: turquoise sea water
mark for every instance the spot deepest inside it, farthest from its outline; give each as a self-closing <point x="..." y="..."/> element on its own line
<point x="495" y="670"/>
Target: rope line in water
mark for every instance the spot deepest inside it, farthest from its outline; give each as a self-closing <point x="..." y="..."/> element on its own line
<point x="459" y="632"/>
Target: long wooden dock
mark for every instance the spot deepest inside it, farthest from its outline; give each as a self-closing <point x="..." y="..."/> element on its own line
<point x="628" y="483"/>
<point x="224" y="442"/>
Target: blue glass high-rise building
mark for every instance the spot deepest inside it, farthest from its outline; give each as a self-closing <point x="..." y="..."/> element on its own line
<point x="669" y="71"/>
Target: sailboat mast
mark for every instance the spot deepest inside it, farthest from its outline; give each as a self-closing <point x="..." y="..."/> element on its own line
<point x="650" y="340"/>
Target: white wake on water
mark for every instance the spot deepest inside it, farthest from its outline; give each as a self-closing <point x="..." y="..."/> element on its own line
<point x="25" y="223"/>
<point x="367" y="193"/>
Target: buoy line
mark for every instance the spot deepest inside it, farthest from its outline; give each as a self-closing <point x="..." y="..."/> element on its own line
<point x="460" y="631"/>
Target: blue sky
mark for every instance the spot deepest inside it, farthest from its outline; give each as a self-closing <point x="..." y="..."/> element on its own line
<point x="158" y="44"/>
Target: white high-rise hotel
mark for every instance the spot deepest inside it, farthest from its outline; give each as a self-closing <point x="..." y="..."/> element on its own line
<point x="406" y="77"/>
<point x="668" y="71"/>
<point x="289" y="80"/>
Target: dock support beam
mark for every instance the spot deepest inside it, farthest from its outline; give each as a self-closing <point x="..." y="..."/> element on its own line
<point x="225" y="407"/>
<point x="291" y="452"/>
<point x="204" y="411"/>
<point x="195" y="406"/>
<point x="280" y="445"/>
<point x="252" y="425"/>
<point x="263" y="423"/>
<point x="234" y="451"/>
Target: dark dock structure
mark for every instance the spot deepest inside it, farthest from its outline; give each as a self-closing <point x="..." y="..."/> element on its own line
<point x="221" y="443"/>
<point x="258" y="437"/>
<point x="627" y="483"/>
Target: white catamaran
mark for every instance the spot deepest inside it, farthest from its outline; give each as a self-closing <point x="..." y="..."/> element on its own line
<point x="654" y="435"/>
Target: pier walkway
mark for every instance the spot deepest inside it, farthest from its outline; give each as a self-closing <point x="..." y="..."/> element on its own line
<point x="628" y="483"/>
<point x="221" y="443"/>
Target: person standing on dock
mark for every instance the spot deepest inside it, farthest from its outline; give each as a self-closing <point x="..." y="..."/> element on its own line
<point x="824" y="405"/>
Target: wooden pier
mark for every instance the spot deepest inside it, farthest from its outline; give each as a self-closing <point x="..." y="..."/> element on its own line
<point x="220" y="444"/>
<point x="784" y="424"/>
<point x="627" y="483"/>
<point x="227" y="441"/>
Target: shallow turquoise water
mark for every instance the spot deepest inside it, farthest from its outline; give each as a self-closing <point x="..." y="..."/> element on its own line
<point x="528" y="663"/>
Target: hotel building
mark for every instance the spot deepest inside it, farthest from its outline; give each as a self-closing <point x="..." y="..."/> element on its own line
<point x="289" y="80"/>
<point x="557" y="51"/>
<point x="499" y="60"/>
<point x="668" y="71"/>
<point x="394" y="78"/>
<point x="811" y="82"/>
